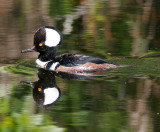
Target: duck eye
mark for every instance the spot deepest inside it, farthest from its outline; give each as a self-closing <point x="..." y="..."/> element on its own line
<point x="40" y="44"/>
<point x="39" y="89"/>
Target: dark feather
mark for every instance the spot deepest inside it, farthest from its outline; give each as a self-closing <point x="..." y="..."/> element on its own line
<point x="70" y="60"/>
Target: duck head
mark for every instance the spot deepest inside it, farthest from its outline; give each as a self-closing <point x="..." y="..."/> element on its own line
<point x="46" y="41"/>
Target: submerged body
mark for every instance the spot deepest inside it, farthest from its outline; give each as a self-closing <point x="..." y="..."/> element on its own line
<point x="75" y="63"/>
<point x="46" y="41"/>
<point x="87" y="67"/>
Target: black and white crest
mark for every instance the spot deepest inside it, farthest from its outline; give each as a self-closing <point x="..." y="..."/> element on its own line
<point x="48" y="36"/>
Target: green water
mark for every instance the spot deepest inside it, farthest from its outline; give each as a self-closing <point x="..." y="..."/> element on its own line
<point x="125" y="100"/>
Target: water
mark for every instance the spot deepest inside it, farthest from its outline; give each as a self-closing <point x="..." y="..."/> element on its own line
<point x="124" y="100"/>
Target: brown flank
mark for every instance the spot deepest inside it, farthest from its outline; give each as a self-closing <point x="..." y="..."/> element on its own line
<point x="87" y="67"/>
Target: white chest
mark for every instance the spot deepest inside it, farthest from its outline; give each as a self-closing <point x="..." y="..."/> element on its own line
<point x="43" y="64"/>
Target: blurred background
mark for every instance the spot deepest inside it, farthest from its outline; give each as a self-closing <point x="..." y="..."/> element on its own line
<point x="128" y="101"/>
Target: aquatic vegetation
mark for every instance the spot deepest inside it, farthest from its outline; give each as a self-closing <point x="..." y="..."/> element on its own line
<point x="22" y="67"/>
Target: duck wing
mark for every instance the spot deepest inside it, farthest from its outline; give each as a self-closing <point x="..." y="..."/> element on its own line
<point x="69" y="59"/>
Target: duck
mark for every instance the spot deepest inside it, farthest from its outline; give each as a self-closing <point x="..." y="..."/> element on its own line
<point x="47" y="39"/>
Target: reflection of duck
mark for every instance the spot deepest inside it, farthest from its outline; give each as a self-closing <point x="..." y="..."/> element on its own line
<point x="45" y="90"/>
<point x="46" y="41"/>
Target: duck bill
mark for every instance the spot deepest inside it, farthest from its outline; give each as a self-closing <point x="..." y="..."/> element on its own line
<point x="31" y="84"/>
<point x="29" y="50"/>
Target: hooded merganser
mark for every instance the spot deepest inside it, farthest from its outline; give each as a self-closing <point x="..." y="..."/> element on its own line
<point x="46" y="41"/>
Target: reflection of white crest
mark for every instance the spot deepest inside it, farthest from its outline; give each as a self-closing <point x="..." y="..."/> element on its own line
<point x="50" y="95"/>
<point x="52" y="37"/>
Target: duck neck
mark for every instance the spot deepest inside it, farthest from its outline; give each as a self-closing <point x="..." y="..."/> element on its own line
<point x="46" y="57"/>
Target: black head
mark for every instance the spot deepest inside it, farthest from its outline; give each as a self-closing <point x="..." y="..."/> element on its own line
<point x="46" y="41"/>
<point x="47" y="38"/>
